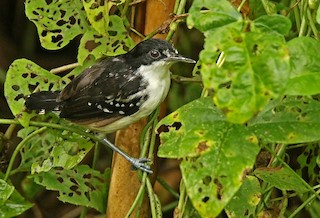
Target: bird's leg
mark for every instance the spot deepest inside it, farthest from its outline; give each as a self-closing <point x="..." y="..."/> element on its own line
<point x="137" y="163"/>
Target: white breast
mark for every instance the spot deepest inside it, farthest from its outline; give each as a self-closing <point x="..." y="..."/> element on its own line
<point x="157" y="76"/>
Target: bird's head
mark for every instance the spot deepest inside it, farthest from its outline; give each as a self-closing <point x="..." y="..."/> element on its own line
<point x="153" y="51"/>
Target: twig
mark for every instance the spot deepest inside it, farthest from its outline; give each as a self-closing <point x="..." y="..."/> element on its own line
<point x="180" y="79"/>
<point x="64" y="68"/>
<point x="136" y="2"/>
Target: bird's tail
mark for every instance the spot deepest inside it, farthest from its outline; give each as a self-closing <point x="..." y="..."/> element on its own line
<point x="45" y="100"/>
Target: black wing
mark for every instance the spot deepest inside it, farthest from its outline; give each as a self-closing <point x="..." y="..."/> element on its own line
<point x="104" y="91"/>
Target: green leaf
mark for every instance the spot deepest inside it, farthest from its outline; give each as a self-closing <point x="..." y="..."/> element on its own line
<point x="5" y="191"/>
<point x="80" y="186"/>
<point x="193" y="129"/>
<point x="98" y="13"/>
<point x="244" y="202"/>
<point x="277" y="23"/>
<point x="292" y="120"/>
<point x="52" y="148"/>
<point x="308" y="164"/>
<point x="219" y="154"/>
<point x="304" y="84"/>
<point x="207" y="14"/>
<point x="281" y="178"/>
<point x="23" y="77"/>
<point x="117" y="42"/>
<point x="255" y="69"/>
<point x="305" y="77"/>
<point x="14" y="206"/>
<point x="57" y="22"/>
<point x="12" y="203"/>
<point x="66" y="150"/>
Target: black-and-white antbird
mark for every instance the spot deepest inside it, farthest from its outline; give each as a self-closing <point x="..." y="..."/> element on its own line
<point x="115" y="92"/>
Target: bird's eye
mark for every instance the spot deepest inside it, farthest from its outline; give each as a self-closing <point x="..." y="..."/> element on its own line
<point x="154" y="54"/>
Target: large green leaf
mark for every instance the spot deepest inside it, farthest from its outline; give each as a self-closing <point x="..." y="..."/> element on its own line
<point x="52" y="148"/>
<point x="217" y="154"/>
<point x="23" y="78"/>
<point x="292" y="120"/>
<point x="244" y="202"/>
<point x="58" y="22"/>
<point x="281" y="178"/>
<point x="80" y="185"/>
<point x="255" y="69"/>
<point x="305" y="59"/>
<point x="277" y="23"/>
<point x="193" y="129"/>
<point x="207" y="14"/>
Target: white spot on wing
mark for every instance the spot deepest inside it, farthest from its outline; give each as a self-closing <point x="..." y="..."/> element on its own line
<point x="106" y="110"/>
<point x="121" y="112"/>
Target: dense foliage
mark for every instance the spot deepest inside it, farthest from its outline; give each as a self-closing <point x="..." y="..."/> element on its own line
<point x="249" y="145"/>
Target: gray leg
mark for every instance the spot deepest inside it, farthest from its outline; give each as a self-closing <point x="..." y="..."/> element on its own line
<point x="137" y="163"/>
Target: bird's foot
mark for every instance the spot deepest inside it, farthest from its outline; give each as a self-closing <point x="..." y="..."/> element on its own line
<point x="141" y="164"/>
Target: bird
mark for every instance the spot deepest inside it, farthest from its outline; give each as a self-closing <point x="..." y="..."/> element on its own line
<point x="115" y="92"/>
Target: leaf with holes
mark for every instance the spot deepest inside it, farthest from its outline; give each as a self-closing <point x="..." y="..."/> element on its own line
<point x="64" y="149"/>
<point x="194" y="129"/>
<point x="206" y="15"/>
<point x="217" y="154"/>
<point x="24" y="77"/>
<point x="291" y="120"/>
<point x="52" y="148"/>
<point x="245" y="201"/>
<point x="57" y="22"/>
<point x="80" y="186"/>
<point x="282" y="178"/>
<point x="98" y="13"/>
<point x="117" y="42"/>
<point x="308" y="165"/>
<point x="305" y="78"/>
<point x="255" y="69"/>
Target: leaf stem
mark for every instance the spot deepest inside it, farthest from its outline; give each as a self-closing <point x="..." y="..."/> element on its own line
<point x="305" y="203"/>
<point x="168" y="187"/>
<point x="169" y="206"/>
<point x="139" y="195"/>
<point x="182" y="199"/>
<point x="241" y="5"/>
<point x="18" y="148"/>
<point x="151" y="198"/>
<point x="9" y="131"/>
<point x="312" y="25"/>
<point x="293" y="172"/>
<point x="180" y="79"/>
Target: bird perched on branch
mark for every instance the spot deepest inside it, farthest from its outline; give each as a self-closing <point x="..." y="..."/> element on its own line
<point x="116" y="91"/>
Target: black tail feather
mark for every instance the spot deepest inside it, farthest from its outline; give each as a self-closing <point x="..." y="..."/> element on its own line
<point x="45" y="100"/>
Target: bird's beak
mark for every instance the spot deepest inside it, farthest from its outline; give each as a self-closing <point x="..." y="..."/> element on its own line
<point x="179" y="58"/>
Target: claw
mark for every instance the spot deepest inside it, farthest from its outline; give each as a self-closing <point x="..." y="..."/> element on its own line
<point x="141" y="164"/>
